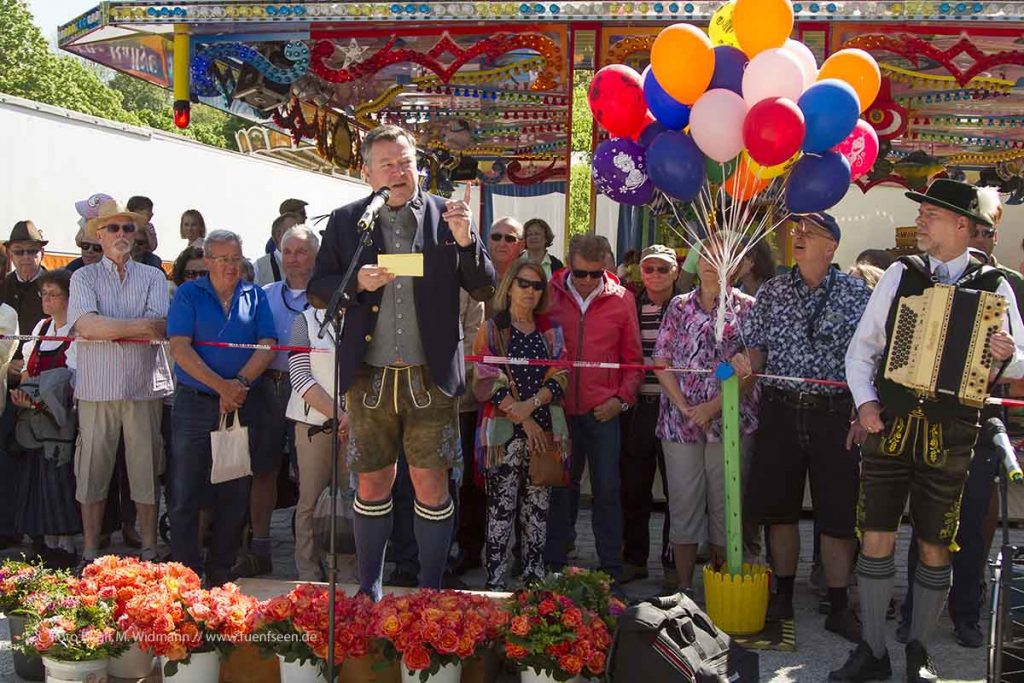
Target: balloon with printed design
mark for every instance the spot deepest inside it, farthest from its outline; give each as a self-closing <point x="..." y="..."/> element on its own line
<point x="619" y="171"/>
<point x="616" y="98"/>
<point x="769" y="172"/>
<point x="860" y="148"/>
<point x="720" y="28"/>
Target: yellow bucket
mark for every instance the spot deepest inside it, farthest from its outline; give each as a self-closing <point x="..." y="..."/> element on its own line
<point x="737" y="604"/>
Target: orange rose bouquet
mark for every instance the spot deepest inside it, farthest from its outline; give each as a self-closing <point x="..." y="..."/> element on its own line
<point x="551" y="634"/>
<point x="129" y="576"/>
<point x="77" y="626"/>
<point x="429" y="629"/>
<point x="168" y="621"/>
<point x="295" y="625"/>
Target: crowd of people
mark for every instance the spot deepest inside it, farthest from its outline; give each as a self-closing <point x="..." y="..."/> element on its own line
<point x="445" y="457"/>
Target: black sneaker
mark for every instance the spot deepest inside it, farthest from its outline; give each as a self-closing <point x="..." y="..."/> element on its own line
<point x="919" y="665"/>
<point x="633" y="572"/>
<point x="780" y="608"/>
<point x="968" y="634"/>
<point x="402" y="579"/>
<point x="863" y="665"/>
<point x="845" y="623"/>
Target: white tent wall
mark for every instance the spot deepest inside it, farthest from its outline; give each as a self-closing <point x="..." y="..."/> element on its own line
<point x="550" y="207"/>
<point x="54" y="157"/>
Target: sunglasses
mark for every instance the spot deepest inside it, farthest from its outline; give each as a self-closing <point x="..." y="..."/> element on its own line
<point x="583" y="274"/>
<point x="31" y="251"/>
<point x="497" y="237"/>
<point x="127" y="228"/>
<point x="664" y="270"/>
<point x="530" y="284"/>
<point x="193" y="274"/>
<point x="94" y="248"/>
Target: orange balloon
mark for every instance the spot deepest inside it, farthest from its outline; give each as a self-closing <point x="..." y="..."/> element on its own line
<point x="762" y="24"/>
<point x="683" y="61"/>
<point x="743" y="184"/>
<point x="859" y="69"/>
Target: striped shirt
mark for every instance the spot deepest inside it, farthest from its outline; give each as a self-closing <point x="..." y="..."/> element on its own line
<point x="120" y="372"/>
<point x="650" y="322"/>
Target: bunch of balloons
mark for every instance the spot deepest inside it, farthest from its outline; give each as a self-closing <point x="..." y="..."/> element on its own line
<point x="736" y="108"/>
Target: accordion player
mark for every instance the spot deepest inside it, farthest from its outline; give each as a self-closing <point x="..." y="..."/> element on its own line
<point x="940" y="343"/>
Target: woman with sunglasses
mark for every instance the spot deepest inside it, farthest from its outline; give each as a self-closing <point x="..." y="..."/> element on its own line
<point x="188" y="266"/>
<point x="519" y="415"/>
<point x="690" y="424"/>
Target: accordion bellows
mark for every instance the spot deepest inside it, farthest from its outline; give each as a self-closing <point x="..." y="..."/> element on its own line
<point x="940" y="343"/>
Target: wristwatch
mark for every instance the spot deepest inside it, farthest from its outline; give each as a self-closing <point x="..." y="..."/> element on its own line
<point x="536" y="401"/>
<point x="625" y="404"/>
<point x="244" y="380"/>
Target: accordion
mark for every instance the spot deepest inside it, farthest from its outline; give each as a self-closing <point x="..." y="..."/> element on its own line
<point x="940" y="341"/>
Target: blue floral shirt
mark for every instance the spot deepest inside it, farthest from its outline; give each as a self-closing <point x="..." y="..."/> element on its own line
<point x="804" y="332"/>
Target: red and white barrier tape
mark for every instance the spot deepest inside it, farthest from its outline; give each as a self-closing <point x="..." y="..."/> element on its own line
<point x="490" y="360"/>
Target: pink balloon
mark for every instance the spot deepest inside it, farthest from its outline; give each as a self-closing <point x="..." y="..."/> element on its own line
<point x="860" y="148"/>
<point x="716" y="124"/>
<point x="773" y="131"/>
<point x="803" y="55"/>
<point x="773" y="73"/>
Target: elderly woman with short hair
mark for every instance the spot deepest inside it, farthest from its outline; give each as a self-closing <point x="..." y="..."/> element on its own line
<point x="539" y="236"/>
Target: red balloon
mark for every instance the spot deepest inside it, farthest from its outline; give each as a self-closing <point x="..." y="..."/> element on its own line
<point x="616" y="98"/>
<point x="648" y="120"/>
<point x="773" y="130"/>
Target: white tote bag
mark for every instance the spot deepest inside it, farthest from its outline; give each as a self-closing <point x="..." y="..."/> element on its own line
<point x="230" y="449"/>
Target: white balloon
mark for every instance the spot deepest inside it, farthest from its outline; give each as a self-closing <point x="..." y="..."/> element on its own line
<point x="773" y="73"/>
<point x="803" y="55"/>
<point x="716" y="124"/>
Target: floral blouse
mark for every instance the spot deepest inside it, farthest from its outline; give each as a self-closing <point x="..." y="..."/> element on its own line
<point x="687" y="340"/>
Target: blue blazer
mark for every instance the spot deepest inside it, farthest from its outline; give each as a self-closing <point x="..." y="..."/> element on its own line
<point x="447" y="268"/>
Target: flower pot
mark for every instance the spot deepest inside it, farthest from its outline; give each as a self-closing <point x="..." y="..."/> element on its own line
<point x="300" y="672"/>
<point x="91" y="671"/>
<point x="202" y="667"/>
<point x="449" y="673"/>
<point x="367" y="669"/>
<point x="737" y="604"/>
<point x="29" y="668"/>
<point x="530" y="675"/>
<point x="134" y="663"/>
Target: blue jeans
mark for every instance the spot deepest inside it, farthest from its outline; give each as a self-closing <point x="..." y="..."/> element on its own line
<point x="967" y="593"/>
<point x="194" y="416"/>
<point x="596" y="445"/>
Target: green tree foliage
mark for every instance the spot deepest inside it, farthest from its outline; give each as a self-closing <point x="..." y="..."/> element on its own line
<point x="582" y="135"/>
<point x="29" y="69"/>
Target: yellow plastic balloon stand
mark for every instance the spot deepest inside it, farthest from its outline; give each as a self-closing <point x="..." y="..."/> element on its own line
<point x="738" y="603"/>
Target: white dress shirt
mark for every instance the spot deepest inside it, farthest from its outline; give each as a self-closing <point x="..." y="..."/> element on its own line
<point x="868" y="343"/>
<point x="584" y="304"/>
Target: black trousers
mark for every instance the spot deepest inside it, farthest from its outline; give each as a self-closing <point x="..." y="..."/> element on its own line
<point x="641" y="457"/>
<point x="472" y="500"/>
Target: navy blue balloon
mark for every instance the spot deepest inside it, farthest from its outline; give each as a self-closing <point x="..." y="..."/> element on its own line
<point x="673" y="114"/>
<point x="651" y="131"/>
<point x="831" y="109"/>
<point x="729" y="65"/>
<point x="676" y="165"/>
<point x="817" y="182"/>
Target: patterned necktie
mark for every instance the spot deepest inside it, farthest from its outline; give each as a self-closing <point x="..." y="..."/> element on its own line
<point x="942" y="273"/>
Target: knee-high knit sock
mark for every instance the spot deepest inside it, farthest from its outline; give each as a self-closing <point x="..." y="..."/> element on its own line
<point x="877" y="575"/>
<point x="371" y="527"/>
<point x="433" y="527"/>
<point x="931" y="586"/>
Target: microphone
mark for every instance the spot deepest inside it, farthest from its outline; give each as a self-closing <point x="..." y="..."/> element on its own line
<point x="377" y="201"/>
<point x="995" y="431"/>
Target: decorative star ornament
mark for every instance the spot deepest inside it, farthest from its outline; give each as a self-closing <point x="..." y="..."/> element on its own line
<point x="353" y="53"/>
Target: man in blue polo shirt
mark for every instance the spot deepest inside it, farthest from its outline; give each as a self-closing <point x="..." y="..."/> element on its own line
<point x="220" y="307"/>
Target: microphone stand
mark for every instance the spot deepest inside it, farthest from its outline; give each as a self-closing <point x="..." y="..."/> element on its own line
<point x="333" y="318"/>
<point x="1001" y="606"/>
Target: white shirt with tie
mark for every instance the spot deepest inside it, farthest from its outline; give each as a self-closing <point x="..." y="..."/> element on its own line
<point x="868" y="344"/>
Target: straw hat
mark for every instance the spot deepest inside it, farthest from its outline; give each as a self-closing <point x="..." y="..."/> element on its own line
<point x="108" y="212"/>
